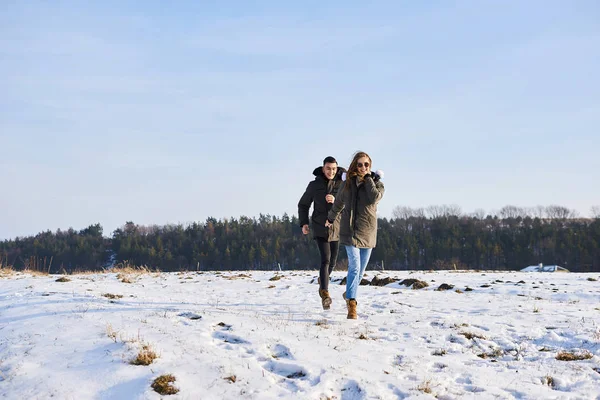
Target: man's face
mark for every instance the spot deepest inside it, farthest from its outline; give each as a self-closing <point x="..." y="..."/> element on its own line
<point x="329" y="170"/>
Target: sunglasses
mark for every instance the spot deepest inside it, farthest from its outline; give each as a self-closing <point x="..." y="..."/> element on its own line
<point x="360" y="165"/>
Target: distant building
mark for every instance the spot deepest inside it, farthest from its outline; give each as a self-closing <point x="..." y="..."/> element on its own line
<point x="544" y="268"/>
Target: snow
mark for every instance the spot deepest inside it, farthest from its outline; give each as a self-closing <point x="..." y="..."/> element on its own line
<point x="243" y="335"/>
<point x="544" y="268"/>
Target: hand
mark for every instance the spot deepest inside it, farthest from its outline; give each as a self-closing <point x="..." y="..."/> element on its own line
<point x="330" y="198"/>
<point x="328" y="224"/>
<point x="305" y="229"/>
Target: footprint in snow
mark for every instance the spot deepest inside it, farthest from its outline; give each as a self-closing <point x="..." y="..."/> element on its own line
<point x="229" y="338"/>
<point x="190" y="315"/>
<point x="281" y="351"/>
<point x="353" y="391"/>
<point x="290" y="371"/>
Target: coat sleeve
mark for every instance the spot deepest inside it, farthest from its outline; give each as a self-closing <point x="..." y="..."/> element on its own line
<point x="304" y="205"/>
<point x="374" y="189"/>
<point x="338" y="204"/>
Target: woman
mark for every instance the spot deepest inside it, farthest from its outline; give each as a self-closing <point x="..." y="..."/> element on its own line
<point x="322" y="192"/>
<point x="357" y="201"/>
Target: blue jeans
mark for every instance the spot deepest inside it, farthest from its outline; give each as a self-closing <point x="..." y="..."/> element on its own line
<point x="357" y="262"/>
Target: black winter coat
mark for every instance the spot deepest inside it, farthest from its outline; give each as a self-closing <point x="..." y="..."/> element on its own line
<point x="315" y="194"/>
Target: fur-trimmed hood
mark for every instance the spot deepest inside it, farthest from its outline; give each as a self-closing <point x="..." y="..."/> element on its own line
<point x="318" y="172"/>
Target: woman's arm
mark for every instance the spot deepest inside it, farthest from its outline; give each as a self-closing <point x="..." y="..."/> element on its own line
<point x="374" y="189"/>
<point x="338" y="204"/>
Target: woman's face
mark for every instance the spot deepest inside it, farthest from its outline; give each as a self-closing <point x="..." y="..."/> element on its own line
<point x="363" y="166"/>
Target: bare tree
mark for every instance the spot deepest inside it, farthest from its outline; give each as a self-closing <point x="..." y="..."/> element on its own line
<point x="444" y="211"/>
<point x="479" y="213"/>
<point x="595" y="211"/>
<point x="453" y="210"/>
<point x="512" y="212"/>
<point x="402" y="212"/>
<point x="560" y="212"/>
<point x="539" y="211"/>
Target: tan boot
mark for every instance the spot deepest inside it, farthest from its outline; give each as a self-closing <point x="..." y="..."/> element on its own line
<point x="325" y="299"/>
<point x="352" y="309"/>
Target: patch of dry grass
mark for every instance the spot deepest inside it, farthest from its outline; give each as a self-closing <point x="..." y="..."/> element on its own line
<point x="6" y="271"/>
<point x="145" y="357"/>
<point x="574" y="356"/>
<point x="445" y="286"/>
<point x="323" y="323"/>
<point x="414" y="283"/>
<point x="112" y="296"/>
<point x="63" y="279"/>
<point x="111" y="333"/>
<point x="128" y="273"/>
<point x="471" y="335"/>
<point x="238" y="276"/>
<point x="496" y="353"/>
<point x="425" y="387"/>
<point x="548" y="380"/>
<point x="163" y="385"/>
<point x="34" y="272"/>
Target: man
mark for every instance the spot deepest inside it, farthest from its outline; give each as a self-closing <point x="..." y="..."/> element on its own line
<point x="321" y="193"/>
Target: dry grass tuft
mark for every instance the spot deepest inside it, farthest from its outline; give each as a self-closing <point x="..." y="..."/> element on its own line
<point x="112" y="296"/>
<point x="439" y="352"/>
<point x="414" y="283"/>
<point x="377" y="281"/>
<point x="145" y="357"/>
<point x="494" y="354"/>
<point x="111" y="333"/>
<point x="162" y="385"/>
<point x="572" y="356"/>
<point x="445" y="286"/>
<point x="238" y="276"/>
<point x="6" y="272"/>
<point x="275" y="278"/>
<point x="592" y="279"/>
<point x="471" y="335"/>
<point x="548" y="380"/>
<point x="127" y="272"/>
<point x="363" y="336"/>
<point x="425" y="387"/>
<point x="322" y="323"/>
<point x="231" y="378"/>
<point x="63" y="279"/>
<point x="35" y="272"/>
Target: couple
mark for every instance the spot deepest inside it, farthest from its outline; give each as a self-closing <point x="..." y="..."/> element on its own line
<point x="355" y="194"/>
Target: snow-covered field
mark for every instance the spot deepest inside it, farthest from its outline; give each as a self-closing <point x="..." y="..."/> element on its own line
<point x="263" y="335"/>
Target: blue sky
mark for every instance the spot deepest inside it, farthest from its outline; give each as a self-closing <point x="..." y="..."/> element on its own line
<point x="171" y="113"/>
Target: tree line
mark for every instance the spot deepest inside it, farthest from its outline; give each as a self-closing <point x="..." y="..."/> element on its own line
<point x="433" y="238"/>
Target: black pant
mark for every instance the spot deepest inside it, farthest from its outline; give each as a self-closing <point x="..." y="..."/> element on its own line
<point x="329" y="253"/>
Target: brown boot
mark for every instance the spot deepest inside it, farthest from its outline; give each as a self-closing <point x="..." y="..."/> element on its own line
<point x="325" y="299"/>
<point x="352" y="309"/>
